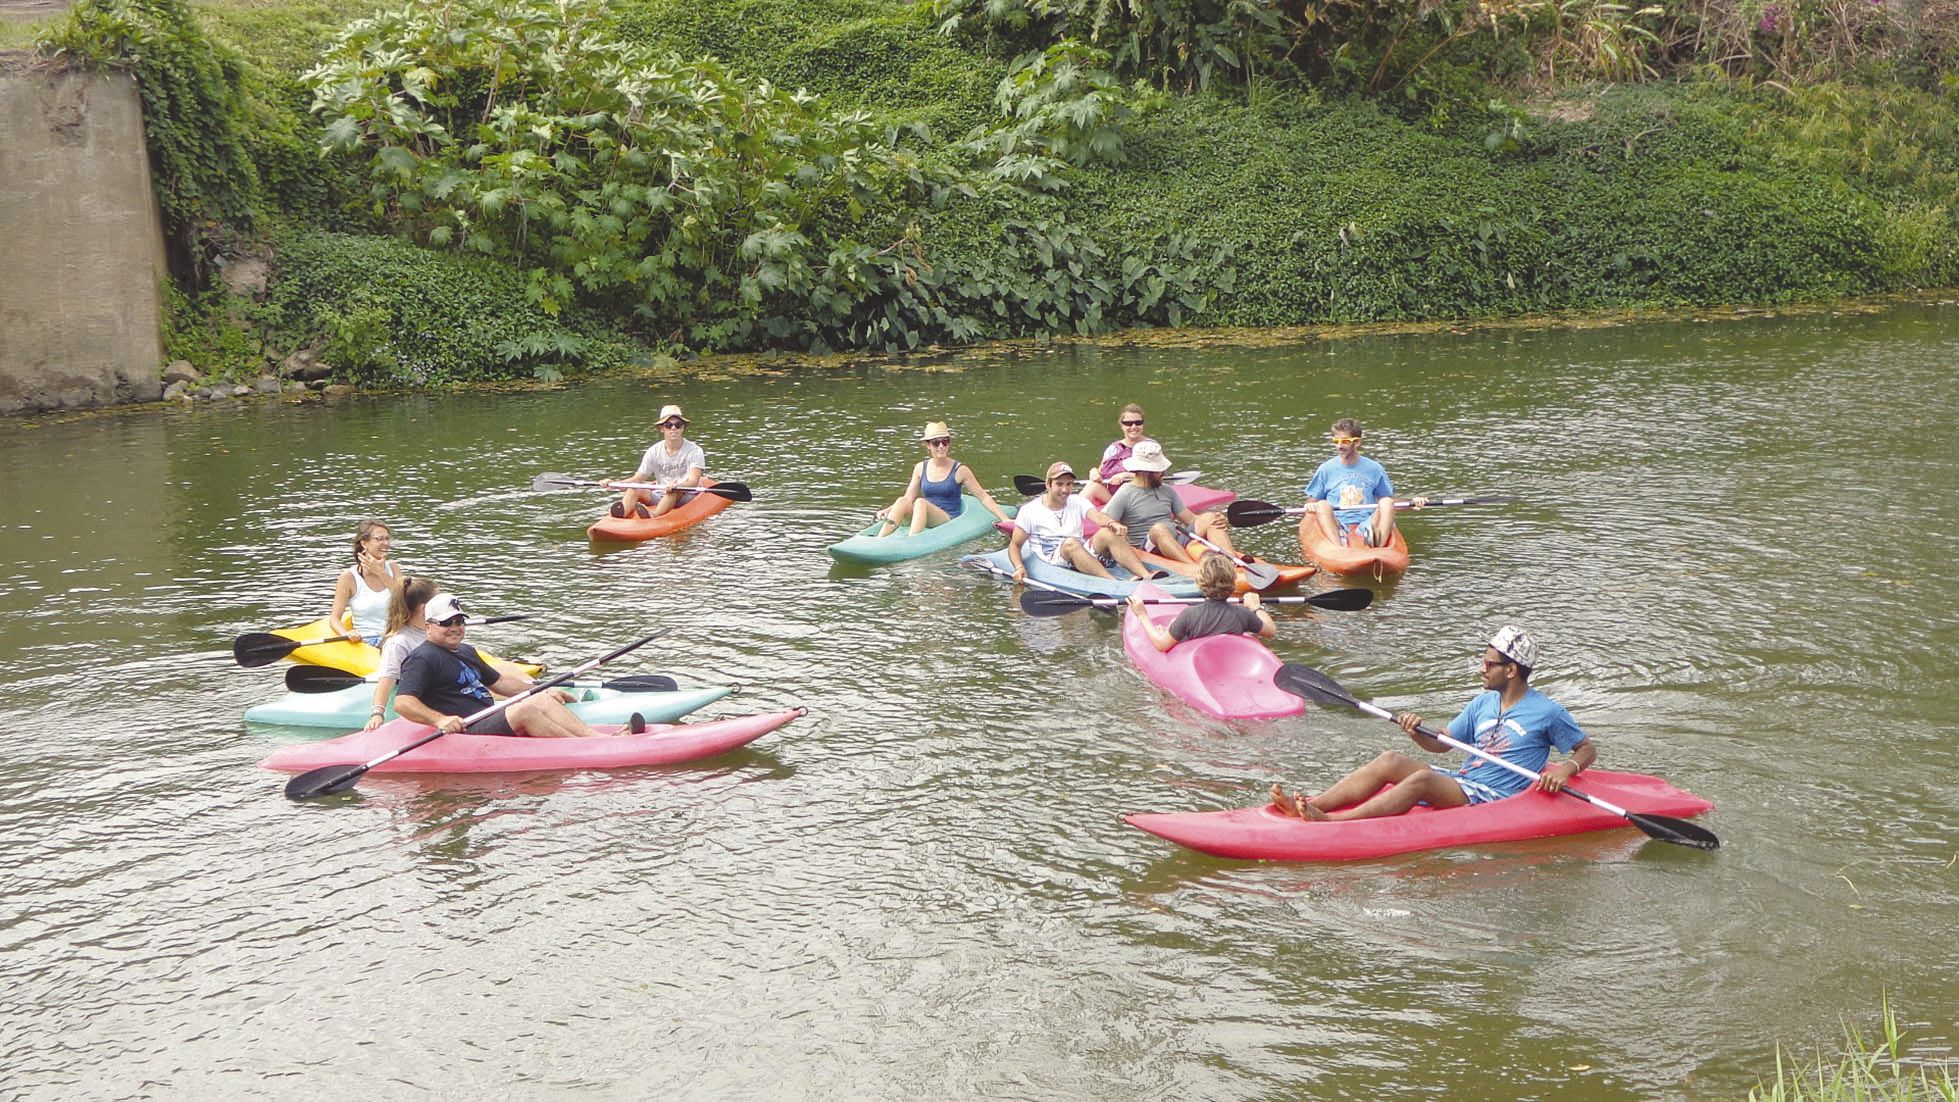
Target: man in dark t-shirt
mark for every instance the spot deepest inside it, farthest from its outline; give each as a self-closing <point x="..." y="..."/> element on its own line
<point x="444" y="680"/>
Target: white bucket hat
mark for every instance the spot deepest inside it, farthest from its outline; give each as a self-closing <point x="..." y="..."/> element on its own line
<point x="1147" y="456"/>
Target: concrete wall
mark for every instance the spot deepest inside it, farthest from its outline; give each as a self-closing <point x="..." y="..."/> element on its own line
<point x="81" y="242"/>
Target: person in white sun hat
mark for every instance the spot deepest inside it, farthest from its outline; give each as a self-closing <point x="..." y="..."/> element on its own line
<point x="938" y="485"/>
<point x="1508" y="718"/>
<point x="675" y="462"/>
<point x="1152" y="512"/>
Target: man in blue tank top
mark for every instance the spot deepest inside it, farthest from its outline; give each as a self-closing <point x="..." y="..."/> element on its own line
<point x="1508" y="719"/>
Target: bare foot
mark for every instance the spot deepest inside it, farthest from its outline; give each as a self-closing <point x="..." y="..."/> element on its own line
<point x="1282" y="803"/>
<point x="1307" y="811"/>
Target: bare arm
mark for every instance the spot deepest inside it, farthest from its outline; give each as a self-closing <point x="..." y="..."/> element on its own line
<point x="972" y="484"/>
<point x="343" y="592"/>
<point x="1556" y="776"/>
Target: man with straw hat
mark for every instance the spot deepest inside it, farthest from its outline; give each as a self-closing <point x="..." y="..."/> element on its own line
<point x="675" y="463"/>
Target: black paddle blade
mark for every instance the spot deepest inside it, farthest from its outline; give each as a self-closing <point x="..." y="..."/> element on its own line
<point x="644" y="683"/>
<point x="1046" y="602"/>
<point x="1678" y="831"/>
<point x="259" y="648"/>
<point x="1248" y="513"/>
<point x="552" y="480"/>
<point x="733" y="491"/>
<point x="319" y="679"/>
<point x="327" y="780"/>
<point x="1351" y="599"/>
<point x="1311" y="684"/>
<point x="1029" y="485"/>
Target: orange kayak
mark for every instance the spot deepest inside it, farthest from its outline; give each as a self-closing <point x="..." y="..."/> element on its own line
<point x="1290" y="574"/>
<point x="1353" y="559"/>
<point x="634" y="529"/>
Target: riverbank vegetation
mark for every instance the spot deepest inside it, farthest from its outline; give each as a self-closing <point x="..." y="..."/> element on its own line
<point x="457" y="189"/>
<point x="1867" y="1071"/>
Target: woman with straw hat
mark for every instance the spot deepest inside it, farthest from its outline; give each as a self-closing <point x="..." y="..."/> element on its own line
<point x="938" y="482"/>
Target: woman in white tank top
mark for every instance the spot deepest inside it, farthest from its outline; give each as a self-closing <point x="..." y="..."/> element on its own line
<point x="360" y="594"/>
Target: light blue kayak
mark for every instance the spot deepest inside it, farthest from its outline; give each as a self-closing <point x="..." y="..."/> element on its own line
<point x="974" y="520"/>
<point x="347" y="709"/>
<point x="1074" y="581"/>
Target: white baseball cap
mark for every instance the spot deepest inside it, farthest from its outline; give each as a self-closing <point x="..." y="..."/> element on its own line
<point x="443" y="606"/>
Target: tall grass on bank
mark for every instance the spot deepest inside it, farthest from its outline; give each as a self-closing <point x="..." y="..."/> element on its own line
<point x="1861" y="1073"/>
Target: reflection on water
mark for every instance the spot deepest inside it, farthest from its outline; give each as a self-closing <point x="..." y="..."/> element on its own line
<point x="1730" y="540"/>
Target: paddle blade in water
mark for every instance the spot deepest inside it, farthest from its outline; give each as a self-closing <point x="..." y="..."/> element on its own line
<point x="551" y="480"/>
<point x="319" y="679"/>
<point x="1045" y="602"/>
<point x="327" y="780"/>
<point x="1351" y="599"/>
<point x="258" y="648"/>
<point x="1678" y="831"/>
<point x="733" y="491"/>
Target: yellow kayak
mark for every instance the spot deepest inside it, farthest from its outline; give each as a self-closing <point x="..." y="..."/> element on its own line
<point x="356" y="657"/>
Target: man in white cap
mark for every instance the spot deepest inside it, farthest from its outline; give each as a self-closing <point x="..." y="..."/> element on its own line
<point x="1050" y="527"/>
<point x="1509" y="719"/>
<point x="444" y="680"/>
<point x="675" y="463"/>
<point x="1152" y="511"/>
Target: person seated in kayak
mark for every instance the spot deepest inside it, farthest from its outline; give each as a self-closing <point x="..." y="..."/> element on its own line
<point x="1217" y="579"/>
<point x="444" y="680"/>
<point x="938" y="484"/>
<point x="1509" y="719"/>
<point x="1152" y="511"/>
<point x="1352" y="491"/>
<point x="407" y="629"/>
<point x="1050" y="527"/>
<point x="360" y="594"/>
<point x="1109" y="475"/>
<point x="675" y="463"/>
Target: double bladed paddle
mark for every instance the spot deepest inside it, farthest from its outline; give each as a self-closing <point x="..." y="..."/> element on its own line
<point x="733" y="491"/>
<point x="1054" y="602"/>
<point x="1310" y="683"/>
<point x="331" y="779"/>
<point x="259" y="648"/>
<point x="1033" y="484"/>
<point x="322" y="679"/>
<point x="1250" y="513"/>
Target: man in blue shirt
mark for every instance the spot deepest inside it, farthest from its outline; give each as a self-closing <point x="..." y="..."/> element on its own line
<point x="1351" y="491"/>
<point x="1508" y="719"/>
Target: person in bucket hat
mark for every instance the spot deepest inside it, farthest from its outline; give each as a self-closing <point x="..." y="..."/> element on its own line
<point x="676" y="463"/>
<point x="1508" y="718"/>
<point x="938" y="488"/>
<point x="1155" y="516"/>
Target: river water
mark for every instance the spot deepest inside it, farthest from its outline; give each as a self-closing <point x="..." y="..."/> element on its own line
<point x="1733" y="539"/>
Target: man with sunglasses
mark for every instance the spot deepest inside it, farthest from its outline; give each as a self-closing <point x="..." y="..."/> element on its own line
<point x="1050" y="526"/>
<point x="1351" y="491"/>
<point x="444" y="680"/>
<point x="1112" y="472"/>
<point x="675" y="462"/>
<point x="1509" y="719"/>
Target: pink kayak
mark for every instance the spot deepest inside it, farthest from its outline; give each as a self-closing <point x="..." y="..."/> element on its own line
<point x="1197" y="499"/>
<point x="1263" y="833"/>
<point x="1227" y="676"/>
<point x="659" y="745"/>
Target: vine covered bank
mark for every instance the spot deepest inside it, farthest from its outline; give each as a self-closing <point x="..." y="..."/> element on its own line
<point x="519" y="188"/>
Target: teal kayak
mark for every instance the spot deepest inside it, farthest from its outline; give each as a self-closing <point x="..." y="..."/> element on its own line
<point x="347" y="709"/>
<point x="974" y="520"/>
<point x="1074" y="581"/>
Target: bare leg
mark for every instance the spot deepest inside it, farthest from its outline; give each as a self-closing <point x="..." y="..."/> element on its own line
<point x="1118" y="548"/>
<point x="1426" y="787"/>
<point x="1079" y="558"/>
<point x="1323" y="513"/>
<point x="1390" y="767"/>
<point x="545" y="716"/>
<point x="1164" y="537"/>
<point x="1383" y="523"/>
<point x="1097" y="494"/>
<point x="899" y="513"/>
<point x="925" y="515"/>
<point x="1216" y="528"/>
<point x="631" y="500"/>
<point x="667" y="502"/>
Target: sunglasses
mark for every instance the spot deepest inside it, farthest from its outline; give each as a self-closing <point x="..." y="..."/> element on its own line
<point x="942" y="440"/>
<point x="1498" y="664"/>
<point x="673" y="424"/>
<point x="455" y="621"/>
<point x="1341" y="440"/>
<point x="1132" y="424"/>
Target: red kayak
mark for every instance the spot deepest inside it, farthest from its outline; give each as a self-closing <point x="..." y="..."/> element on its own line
<point x="660" y="744"/>
<point x="689" y="512"/>
<point x="1264" y="833"/>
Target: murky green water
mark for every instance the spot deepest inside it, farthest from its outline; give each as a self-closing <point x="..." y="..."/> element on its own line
<point x="1734" y="542"/>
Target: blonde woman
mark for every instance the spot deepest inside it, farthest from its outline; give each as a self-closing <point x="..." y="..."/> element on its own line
<point x="407" y="629"/>
<point x="361" y="593"/>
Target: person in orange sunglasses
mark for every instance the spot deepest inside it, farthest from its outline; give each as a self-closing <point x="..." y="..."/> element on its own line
<point x="1351" y="492"/>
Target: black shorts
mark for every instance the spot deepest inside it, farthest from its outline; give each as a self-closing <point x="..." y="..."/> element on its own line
<point x="498" y="724"/>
